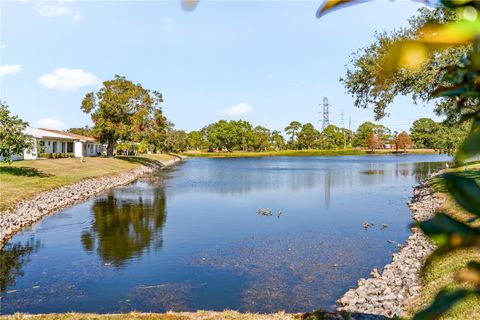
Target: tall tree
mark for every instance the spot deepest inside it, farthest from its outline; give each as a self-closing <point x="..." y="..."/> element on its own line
<point x="175" y="141"/>
<point x="277" y="140"/>
<point x="121" y="110"/>
<point x="83" y="131"/>
<point x="155" y="131"/>
<point x="423" y="133"/>
<point x="365" y="130"/>
<point x="367" y="82"/>
<point x="12" y="138"/>
<point x="333" y="137"/>
<point x="403" y="141"/>
<point x="195" y="140"/>
<point x="261" y="138"/>
<point x="292" y="129"/>
<point x="308" y="136"/>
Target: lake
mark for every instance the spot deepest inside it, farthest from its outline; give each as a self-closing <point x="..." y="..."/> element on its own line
<point x="189" y="237"/>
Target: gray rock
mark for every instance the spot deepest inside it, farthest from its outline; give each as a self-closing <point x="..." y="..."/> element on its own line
<point x="386" y="293"/>
<point x="30" y="211"/>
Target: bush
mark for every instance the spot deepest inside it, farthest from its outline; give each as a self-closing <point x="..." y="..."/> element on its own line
<point x="56" y="155"/>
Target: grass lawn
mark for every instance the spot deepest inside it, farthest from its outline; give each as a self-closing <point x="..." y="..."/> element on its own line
<point x="199" y="315"/>
<point x="441" y="273"/>
<point x="23" y="179"/>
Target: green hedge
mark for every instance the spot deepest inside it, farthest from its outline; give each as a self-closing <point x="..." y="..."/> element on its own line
<point x="56" y="155"/>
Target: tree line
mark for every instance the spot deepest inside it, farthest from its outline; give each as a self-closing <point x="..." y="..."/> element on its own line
<point x="240" y="135"/>
<point x="129" y="120"/>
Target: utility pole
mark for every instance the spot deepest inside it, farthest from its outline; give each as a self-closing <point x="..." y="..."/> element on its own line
<point x="326" y="113"/>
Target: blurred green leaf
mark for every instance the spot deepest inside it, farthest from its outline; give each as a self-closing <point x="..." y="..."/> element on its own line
<point x="461" y="32"/>
<point x="459" y="3"/>
<point x="471" y="146"/>
<point x="448" y="234"/>
<point x="465" y="191"/>
<point x="474" y="265"/>
<point x="444" y="300"/>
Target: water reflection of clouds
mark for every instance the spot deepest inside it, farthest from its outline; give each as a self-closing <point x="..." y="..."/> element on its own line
<point x="234" y="181"/>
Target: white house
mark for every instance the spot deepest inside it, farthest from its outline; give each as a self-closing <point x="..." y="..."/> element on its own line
<point x="48" y="141"/>
<point x="83" y="146"/>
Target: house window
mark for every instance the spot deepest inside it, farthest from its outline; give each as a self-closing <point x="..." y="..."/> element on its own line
<point x="55" y="147"/>
<point x="70" y="147"/>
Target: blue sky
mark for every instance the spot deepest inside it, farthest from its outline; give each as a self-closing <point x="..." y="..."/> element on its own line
<point x="268" y="62"/>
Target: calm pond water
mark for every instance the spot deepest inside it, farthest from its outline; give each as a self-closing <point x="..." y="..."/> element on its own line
<point x="189" y="237"/>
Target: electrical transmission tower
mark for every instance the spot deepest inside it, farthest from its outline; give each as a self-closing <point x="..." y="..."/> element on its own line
<point x="326" y="114"/>
<point x="350" y="129"/>
<point x="342" y="124"/>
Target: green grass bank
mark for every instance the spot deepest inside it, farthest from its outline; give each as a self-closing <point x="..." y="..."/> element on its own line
<point x="441" y="273"/>
<point x="24" y="179"/>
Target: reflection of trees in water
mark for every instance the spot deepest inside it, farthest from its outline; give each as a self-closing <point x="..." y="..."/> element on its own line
<point x="422" y="170"/>
<point x="383" y="172"/>
<point x="12" y="259"/>
<point x="126" y="222"/>
<point x="229" y="178"/>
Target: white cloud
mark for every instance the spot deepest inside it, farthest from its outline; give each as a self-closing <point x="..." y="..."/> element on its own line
<point x="59" y="8"/>
<point x="67" y="79"/>
<point x="10" y="69"/>
<point x="49" y="123"/>
<point x="237" y="110"/>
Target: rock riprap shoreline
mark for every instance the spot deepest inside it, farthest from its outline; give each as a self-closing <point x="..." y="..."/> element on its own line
<point x="30" y="211"/>
<point x="388" y="292"/>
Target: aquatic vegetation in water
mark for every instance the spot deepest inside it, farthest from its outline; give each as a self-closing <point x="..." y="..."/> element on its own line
<point x="291" y="273"/>
<point x="165" y="296"/>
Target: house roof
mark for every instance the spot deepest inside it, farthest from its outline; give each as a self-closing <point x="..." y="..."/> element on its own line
<point x="42" y="133"/>
<point x="72" y="135"/>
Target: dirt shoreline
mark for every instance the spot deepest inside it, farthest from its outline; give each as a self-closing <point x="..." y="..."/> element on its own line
<point x="32" y="210"/>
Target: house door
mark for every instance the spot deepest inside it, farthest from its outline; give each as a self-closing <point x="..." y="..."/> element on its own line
<point x="54" y="147"/>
